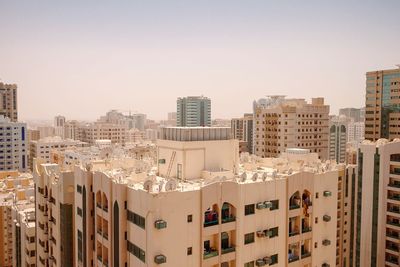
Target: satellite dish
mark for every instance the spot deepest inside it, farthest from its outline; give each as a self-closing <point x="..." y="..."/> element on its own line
<point x="171" y="185"/>
<point x="243" y="177"/>
<point x="148" y="185"/>
<point x="264" y="176"/>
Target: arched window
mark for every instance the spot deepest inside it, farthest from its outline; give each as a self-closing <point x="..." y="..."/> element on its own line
<point x="228" y="213"/>
<point x="211" y="216"/>
<point x="294" y="201"/>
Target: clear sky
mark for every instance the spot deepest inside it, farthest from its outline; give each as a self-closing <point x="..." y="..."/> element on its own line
<point x="83" y="58"/>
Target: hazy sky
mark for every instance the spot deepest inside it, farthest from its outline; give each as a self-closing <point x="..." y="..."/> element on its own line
<point x="82" y="58"/>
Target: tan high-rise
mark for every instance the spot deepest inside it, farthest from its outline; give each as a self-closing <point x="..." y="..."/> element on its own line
<point x="288" y="123"/>
<point x="382" y="104"/>
<point x="8" y="101"/>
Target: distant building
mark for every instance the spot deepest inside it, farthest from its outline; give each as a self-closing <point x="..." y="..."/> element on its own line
<point x="338" y="139"/>
<point x="242" y="130"/>
<point x="282" y="123"/>
<point x="46" y="131"/>
<point x="193" y="111"/>
<point x="13" y="145"/>
<point x="8" y="100"/>
<point x="382" y="106"/>
<point x="357" y="114"/>
<point x="41" y="149"/>
<point x="59" y="126"/>
<point x="91" y="132"/>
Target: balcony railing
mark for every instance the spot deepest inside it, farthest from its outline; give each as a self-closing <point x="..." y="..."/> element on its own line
<point x="294" y="206"/>
<point x="394" y="197"/>
<point x="392" y="247"/>
<point x="229" y="218"/>
<point x="294" y="233"/>
<point x="394" y="223"/>
<point x="306" y="229"/>
<point x="393" y="235"/>
<point x="306" y="254"/>
<point x="392" y="260"/>
<point x="210" y="223"/>
<point x="293" y="258"/>
<point x="394" y="184"/>
<point x="210" y="254"/>
<point x="227" y="250"/>
<point x="394" y="209"/>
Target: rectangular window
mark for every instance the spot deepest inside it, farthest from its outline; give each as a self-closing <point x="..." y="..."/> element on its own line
<point x="137" y="219"/>
<point x="79" y="188"/>
<point x="249" y="264"/>
<point x="274" y="259"/>
<point x="179" y="171"/>
<point x="79" y="211"/>
<point x="190" y="218"/>
<point x="136" y="251"/>
<point x="249" y="238"/>
<point x="249" y="209"/>
<point x="189" y="251"/>
<point x="273" y="232"/>
<point x="275" y="204"/>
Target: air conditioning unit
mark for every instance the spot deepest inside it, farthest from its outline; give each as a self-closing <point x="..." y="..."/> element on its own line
<point x="268" y="204"/>
<point x="267" y="260"/>
<point x="159" y="259"/>
<point x="260" y="234"/>
<point x="326" y="218"/>
<point x="260" y="206"/>
<point x="326" y="242"/>
<point x="325" y="265"/>
<point x="327" y="193"/>
<point x="260" y="262"/>
<point x="160" y="224"/>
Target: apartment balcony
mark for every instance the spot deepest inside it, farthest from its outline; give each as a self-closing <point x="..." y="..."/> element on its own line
<point x="394" y="197"/>
<point x="227" y="219"/>
<point x="392" y="234"/>
<point x="305" y="254"/>
<point x="211" y="218"/>
<point x="306" y="229"/>
<point x="293" y="258"/>
<point x="227" y="250"/>
<point x="395" y="184"/>
<point x="394" y="209"/>
<point x="210" y="254"/>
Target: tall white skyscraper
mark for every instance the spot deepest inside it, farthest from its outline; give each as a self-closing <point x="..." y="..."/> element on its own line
<point x="13" y="145"/>
<point x="193" y="111"/>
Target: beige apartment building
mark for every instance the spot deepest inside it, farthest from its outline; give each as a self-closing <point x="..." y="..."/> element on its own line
<point x="377" y="204"/>
<point x="382" y="104"/>
<point x="242" y="129"/>
<point x="89" y="133"/>
<point x="17" y="226"/>
<point x="41" y="149"/>
<point x="8" y="100"/>
<point x="338" y="139"/>
<point x="214" y="209"/>
<point x="54" y="215"/>
<point x="282" y="123"/>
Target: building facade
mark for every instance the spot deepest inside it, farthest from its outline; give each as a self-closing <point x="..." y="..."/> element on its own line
<point x="193" y="111"/>
<point x="242" y="129"/>
<point x="13" y="145"/>
<point x="290" y="123"/>
<point x="337" y="139"/>
<point x="8" y="100"/>
<point x="41" y="149"/>
<point x="382" y="104"/>
<point x="377" y="204"/>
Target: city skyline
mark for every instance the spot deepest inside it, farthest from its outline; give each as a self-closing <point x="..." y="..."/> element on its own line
<point x="149" y="55"/>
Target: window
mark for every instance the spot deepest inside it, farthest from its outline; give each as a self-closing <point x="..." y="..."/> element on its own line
<point x="79" y="211"/>
<point x="189" y="251"/>
<point x="249" y="209"/>
<point x="249" y="238"/>
<point x="136" y="251"/>
<point x="275" y="204"/>
<point x="274" y="259"/>
<point x="249" y="264"/>
<point x="136" y="219"/>
<point x="189" y="218"/>
<point x="79" y="188"/>
<point x="273" y="232"/>
<point x="179" y="171"/>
